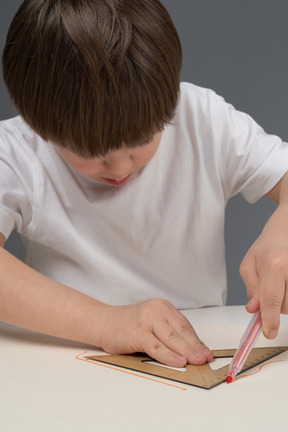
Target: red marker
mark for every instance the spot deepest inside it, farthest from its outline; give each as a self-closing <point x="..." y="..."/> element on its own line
<point x="247" y="342"/>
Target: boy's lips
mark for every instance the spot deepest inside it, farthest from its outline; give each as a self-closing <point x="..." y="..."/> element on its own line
<point x="114" y="182"/>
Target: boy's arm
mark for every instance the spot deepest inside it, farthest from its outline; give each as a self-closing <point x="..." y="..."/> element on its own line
<point x="30" y="300"/>
<point x="265" y="266"/>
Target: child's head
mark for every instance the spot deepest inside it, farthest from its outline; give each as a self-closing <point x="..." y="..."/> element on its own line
<point x="93" y="75"/>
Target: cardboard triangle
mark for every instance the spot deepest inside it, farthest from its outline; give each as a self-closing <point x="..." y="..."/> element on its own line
<point x="200" y="376"/>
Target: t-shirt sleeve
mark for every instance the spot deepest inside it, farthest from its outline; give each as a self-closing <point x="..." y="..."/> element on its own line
<point x="252" y="161"/>
<point x="16" y="192"/>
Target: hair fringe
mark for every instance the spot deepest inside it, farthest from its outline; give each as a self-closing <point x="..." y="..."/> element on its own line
<point x="92" y="76"/>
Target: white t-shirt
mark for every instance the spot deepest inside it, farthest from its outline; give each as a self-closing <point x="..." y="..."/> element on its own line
<point x="159" y="236"/>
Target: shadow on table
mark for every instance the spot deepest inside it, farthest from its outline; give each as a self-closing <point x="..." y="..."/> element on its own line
<point x="14" y="333"/>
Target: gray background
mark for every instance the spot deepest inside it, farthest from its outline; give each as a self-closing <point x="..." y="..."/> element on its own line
<point x="239" y="49"/>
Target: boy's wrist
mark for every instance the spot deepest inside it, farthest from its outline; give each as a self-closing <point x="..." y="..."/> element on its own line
<point x="97" y="321"/>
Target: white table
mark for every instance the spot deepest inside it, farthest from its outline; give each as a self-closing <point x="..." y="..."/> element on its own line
<point x="44" y="387"/>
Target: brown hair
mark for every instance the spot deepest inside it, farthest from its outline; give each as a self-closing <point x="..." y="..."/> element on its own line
<point x="93" y="75"/>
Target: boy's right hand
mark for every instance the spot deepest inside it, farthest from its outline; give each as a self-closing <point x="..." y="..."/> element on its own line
<point x="155" y="327"/>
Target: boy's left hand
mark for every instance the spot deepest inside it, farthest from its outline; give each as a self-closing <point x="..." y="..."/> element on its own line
<point x="264" y="269"/>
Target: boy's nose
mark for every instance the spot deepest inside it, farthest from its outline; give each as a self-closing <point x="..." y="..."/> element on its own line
<point x="119" y="165"/>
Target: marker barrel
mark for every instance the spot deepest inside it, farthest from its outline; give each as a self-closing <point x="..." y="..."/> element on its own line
<point x="247" y="342"/>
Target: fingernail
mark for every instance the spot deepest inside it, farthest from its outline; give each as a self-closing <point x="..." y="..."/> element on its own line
<point x="272" y="334"/>
<point x="202" y="353"/>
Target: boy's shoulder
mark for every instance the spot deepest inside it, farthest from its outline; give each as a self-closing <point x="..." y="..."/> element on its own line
<point x="196" y="97"/>
<point x="21" y="148"/>
<point x="14" y="124"/>
<point x="15" y="131"/>
<point x="189" y="89"/>
<point x="197" y="105"/>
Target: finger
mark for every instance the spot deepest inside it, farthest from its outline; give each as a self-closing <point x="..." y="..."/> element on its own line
<point x="271" y="296"/>
<point x="178" y="335"/>
<point x="160" y="352"/>
<point x="249" y="274"/>
<point x="200" y="352"/>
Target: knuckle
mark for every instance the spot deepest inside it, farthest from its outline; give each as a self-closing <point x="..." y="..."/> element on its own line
<point x="243" y="269"/>
<point x="157" y="346"/>
<point x="272" y="300"/>
<point x="147" y="310"/>
<point x="186" y="329"/>
<point x="277" y="264"/>
<point x="251" y="288"/>
<point x="162" y="303"/>
<point x="156" y="303"/>
<point x="152" y="311"/>
<point x="155" y="306"/>
<point x="172" y="336"/>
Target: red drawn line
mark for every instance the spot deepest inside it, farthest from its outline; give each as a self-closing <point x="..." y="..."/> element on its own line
<point x="258" y="370"/>
<point x="124" y="371"/>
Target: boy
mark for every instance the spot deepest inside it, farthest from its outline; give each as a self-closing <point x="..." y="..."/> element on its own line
<point x="116" y="178"/>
